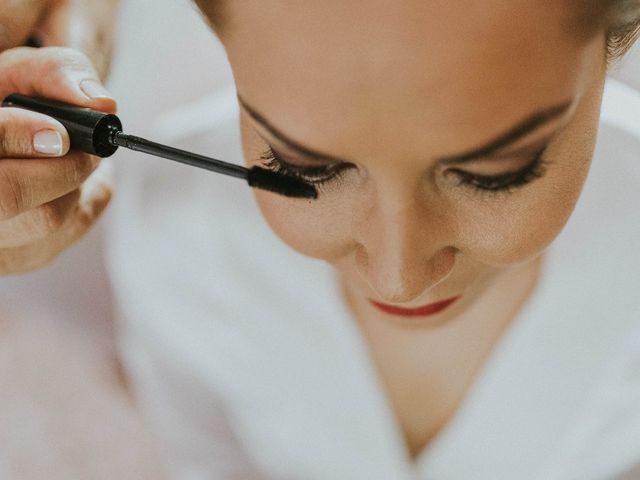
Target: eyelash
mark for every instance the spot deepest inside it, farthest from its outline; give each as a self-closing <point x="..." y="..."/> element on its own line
<point x="504" y="183"/>
<point x="318" y="176"/>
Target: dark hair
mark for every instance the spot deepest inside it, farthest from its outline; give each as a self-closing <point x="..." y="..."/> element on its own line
<point x="621" y="18"/>
<point x="215" y="14"/>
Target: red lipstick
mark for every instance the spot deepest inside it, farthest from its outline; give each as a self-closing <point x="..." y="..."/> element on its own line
<point x="423" y="311"/>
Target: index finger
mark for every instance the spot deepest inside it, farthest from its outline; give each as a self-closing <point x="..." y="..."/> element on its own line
<point x="56" y="73"/>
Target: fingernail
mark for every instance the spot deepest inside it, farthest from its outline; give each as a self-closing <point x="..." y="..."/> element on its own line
<point x="98" y="185"/>
<point x="94" y="89"/>
<point x="48" y="142"/>
<point x="95" y="161"/>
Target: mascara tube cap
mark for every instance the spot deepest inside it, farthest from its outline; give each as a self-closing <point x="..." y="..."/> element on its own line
<point x="90" y="131"/>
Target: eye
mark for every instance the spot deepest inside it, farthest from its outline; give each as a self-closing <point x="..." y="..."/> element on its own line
<point x="493" y="184"/>
<point x="506" y="182"/>
<point x="317" y="175"/>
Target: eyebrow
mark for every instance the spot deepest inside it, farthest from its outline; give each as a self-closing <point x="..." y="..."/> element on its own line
<point x="521" y="130"/>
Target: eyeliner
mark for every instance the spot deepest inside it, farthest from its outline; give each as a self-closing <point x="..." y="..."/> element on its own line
<point x="99" y="133"/>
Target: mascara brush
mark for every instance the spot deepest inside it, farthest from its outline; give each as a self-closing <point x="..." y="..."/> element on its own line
<point x="99" y="133"/>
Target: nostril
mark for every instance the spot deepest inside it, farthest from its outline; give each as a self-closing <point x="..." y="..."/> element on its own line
<point x="361" y="259"/>
<point x="443" y="263"/>
<point x="404" y="282"/>
<point x="398" y="298"/>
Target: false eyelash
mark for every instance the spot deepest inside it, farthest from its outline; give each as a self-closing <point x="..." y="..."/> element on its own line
<point x="505" y="183"/>
<point x="318" y="176"/>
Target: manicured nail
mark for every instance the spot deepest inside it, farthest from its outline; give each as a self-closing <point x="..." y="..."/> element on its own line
<point x="94" y="89"/>
<point x="48" y="142"/>
<point x="95" y="161"/>
<point x="97" y="186"/>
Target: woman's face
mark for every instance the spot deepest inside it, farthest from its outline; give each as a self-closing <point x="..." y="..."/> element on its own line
<point x="449" y="140"/>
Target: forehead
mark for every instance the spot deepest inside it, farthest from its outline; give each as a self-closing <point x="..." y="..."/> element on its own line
<point x="333" y="71"/>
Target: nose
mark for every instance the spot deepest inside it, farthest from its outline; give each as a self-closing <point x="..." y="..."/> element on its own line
<point x="404" y="252"/>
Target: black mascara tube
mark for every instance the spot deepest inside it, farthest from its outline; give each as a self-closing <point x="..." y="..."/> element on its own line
<point x="90" y="131"/>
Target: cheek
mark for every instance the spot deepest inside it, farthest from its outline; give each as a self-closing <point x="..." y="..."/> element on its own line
<point x="519" y="229"/>
<point x="315" y="228"/>
<point x="498" y="232"/>
<point x="309" y="226"/>
<point x="504" y="233"/>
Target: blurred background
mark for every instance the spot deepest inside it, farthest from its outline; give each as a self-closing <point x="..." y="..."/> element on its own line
<point x="61" y="395"/>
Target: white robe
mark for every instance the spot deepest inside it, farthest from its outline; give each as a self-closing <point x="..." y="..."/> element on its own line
<point x="247" y="362"/>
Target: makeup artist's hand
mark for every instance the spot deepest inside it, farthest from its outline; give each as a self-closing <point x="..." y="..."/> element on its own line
<point x="45" y="203"/>
<point x="86" y="25"/>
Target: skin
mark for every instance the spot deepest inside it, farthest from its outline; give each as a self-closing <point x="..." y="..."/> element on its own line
<point x="46" y="202"/>
<point x="394" y="86"/>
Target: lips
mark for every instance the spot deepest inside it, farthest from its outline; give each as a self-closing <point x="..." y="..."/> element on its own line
<point x="423" y="311"/>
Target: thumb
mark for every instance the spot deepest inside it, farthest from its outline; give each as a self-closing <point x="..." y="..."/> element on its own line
<point x="17" y="21"/>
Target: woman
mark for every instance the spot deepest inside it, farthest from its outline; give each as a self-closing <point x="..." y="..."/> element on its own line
<point x="450" y="148"/>
<point x="451" y="144"/>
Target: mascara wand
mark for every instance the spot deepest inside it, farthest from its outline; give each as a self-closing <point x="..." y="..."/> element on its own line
<point x="101" y="134"/>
